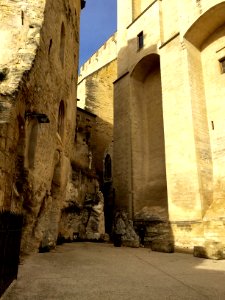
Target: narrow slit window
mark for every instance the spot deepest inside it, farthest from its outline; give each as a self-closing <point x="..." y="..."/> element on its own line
<point x="22" y="17"/>
<point x="140" y="40"/>
<point x="62" y="43"/>
<point x="222" y="64"/>
<point x="61" y="117"/>
<point x="50" y="46"/>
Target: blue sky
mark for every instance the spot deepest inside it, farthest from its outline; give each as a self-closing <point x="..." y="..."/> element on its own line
<point x="98" y="23"/>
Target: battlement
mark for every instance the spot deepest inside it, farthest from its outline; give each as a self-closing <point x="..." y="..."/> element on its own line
<point x="105" y="54"/>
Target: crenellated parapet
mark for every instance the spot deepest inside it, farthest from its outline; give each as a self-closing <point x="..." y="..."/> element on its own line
<point x="104" y="55"/>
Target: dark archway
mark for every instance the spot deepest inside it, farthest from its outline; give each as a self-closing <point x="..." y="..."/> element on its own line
<point x="108" y="168"/>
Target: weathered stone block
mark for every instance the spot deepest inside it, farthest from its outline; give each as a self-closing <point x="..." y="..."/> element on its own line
<point x="162" y="246"/>
<point x="130" y="243"/>
<point x="200" y="251"/>
<point x="210" y="250"/>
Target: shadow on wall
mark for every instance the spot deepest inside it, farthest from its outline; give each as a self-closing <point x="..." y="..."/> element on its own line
<point x="108" y="192"/>
<point x="93" y="137"/>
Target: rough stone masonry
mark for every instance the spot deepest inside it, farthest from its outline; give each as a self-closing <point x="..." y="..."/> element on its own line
<point x="38" y="76"/>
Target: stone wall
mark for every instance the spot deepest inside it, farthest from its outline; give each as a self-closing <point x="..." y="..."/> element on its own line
<point x="190" y="59"/>
<point x="104" y="55"/>
<point x="95" y="94"/>
<point x="42" y="42"/>
<point x="84" y="142"/>
<point x="82" y="214"/>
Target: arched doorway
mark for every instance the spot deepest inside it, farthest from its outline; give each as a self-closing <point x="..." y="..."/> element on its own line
<point x="148" y="149"/>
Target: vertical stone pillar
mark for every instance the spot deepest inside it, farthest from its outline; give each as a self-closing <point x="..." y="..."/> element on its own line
<point x="182" y="169"/>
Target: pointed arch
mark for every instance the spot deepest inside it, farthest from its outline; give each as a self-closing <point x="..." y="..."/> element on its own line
<point x="205" y="25"/>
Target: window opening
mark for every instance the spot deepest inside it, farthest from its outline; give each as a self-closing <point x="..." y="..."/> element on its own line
<point x="62" y="44"/>
<point x="140" y="39"/>
<point x="61" y="117"/>
<point x="22" y="17"/>
<point x="222" y="64"/>
<point x="50" y="46"/>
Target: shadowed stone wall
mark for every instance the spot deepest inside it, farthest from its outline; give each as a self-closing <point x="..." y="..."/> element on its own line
<point x="95" y="94"/>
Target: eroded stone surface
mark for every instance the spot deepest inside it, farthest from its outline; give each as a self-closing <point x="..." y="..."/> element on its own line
<point x="124" y="230"/>
<point x="38" y="75"/>
<point x="84" y="221"/>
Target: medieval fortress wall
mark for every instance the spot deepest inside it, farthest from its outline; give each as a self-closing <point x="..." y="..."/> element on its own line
<point x="104" y="55"/>
<point x="154" y="91"/>
<point x="168" y="137"/>
<point x="168" y="144"/>
<point x="39" y="63"/>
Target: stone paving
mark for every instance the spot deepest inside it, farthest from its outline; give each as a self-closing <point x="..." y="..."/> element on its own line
<point x="102" y="271"/>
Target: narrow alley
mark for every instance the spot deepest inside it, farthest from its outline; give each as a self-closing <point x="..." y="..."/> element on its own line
<point x="102" y="271"/>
